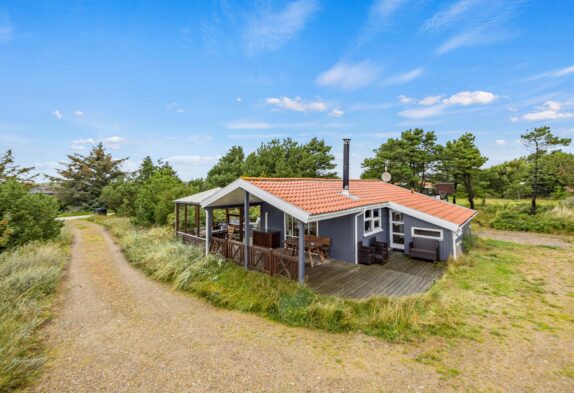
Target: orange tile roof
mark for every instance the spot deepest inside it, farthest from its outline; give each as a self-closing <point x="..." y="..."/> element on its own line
<point x="319" y="196"/>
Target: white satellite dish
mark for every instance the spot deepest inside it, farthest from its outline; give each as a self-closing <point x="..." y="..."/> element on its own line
<point x="386" y="177"/>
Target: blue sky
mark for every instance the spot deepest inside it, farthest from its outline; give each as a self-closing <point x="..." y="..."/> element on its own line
<point x="184" y="81"/>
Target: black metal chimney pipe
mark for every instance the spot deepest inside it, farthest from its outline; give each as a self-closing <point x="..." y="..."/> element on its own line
<point x="346" y="145"/>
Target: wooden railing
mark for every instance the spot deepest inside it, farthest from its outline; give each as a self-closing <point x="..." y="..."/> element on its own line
<point x="265" y="260"/>
<point x="191" y="239"/>
<point x="218" y="246"/>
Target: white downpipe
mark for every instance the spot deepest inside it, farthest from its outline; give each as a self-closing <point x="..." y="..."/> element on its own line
<point x="454" y="245"/>
<point x="356" y="247"/>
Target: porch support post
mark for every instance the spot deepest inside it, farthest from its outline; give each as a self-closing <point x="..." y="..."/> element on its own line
<point x="185" y="218"/>
<point x="208" y="224"/>
<point x="247" y="227"/>
<point x="176" y="218"/>
<point x="197" y="221"/>
<point x="301" y="251"/>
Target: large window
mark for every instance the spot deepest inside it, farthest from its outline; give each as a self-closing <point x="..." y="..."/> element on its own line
<point x="292" y="228"/>
<point x="427" y="233"/>
<point x="372" y="221"/>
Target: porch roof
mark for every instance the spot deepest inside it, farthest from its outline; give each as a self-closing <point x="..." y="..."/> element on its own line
<point x="196" y="199"/>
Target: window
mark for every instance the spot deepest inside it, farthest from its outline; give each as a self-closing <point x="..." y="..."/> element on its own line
<point x="292" y="228"/>
<point x="427" y="233"/>
<point x="372" y="221"/>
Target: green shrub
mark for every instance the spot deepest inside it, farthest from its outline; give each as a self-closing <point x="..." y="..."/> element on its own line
<point x="26" y="217"/>
<point x="518" y="218"/>
<point x="29" y="277"/>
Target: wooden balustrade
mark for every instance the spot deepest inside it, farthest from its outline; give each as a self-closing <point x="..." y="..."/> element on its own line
<point x="265" y="260"/>
<point x="191" y="239"/>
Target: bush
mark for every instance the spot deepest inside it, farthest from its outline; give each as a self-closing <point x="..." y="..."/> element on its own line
<point x="29" y="277"/>
<point x="25" y="216"/>
<point x="518" y="218"/>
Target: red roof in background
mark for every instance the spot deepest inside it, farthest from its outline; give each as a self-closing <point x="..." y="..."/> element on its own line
<point x="319" y="196"/>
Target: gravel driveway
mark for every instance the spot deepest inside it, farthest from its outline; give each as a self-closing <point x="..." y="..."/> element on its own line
<point x="119" y="331"/>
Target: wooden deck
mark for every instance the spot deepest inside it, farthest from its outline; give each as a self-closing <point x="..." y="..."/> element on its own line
<point x="400" y="276"/>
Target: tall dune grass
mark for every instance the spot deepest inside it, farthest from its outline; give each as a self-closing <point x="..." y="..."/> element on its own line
<point x="226" y="285"/>
<point x="29" y="277"/>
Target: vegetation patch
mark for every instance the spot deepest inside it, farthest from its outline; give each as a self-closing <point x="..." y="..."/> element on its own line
<point x="488" y="271"/>
<point x="29" y="277"/>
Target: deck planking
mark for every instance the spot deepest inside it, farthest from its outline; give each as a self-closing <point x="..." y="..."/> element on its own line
<point x="400" y="276"/>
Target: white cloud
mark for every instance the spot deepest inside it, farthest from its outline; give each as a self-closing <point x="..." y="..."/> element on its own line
<point x="404" y="77"/>
<point x="449" y="15"/>
<point x="555" y="73"/>
<point x="238" y="99"/>
<point x="564" y="71"/>
<point x="78" y="113"/>
<point x="421" y="113"/>
<point x="476" y="22"/>
<point x="349" y="76"/>
<point x="500" y="142"/>
<point x="378" y="19"/>
<point x="406" y="100"/>
<point x="57" y="114"/>
<point x="297" y="104"/>
<point x="86" y="141"/>
<point x="6" y="29"/>
<point x="271" y="29"/>
<point x="434" y="105"/>
<point x="550" y="110"/>
<point x="175" y="106"/>
<point x="430" y="100"/>
<point x="470" y="97"/>
<point x="112" y="142"/>
<point x="466" y="38"/>
<point x="336" y="112"/>
<point x="192" y="160"/>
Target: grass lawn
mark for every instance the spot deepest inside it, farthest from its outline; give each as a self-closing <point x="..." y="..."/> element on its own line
<point x="492" y="280"/>
<point x="29" y="277"/>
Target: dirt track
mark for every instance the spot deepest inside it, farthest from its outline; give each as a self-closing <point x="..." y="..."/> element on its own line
<point x="119" y="331"/>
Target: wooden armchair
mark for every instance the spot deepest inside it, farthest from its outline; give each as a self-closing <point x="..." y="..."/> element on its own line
<point x="231" y="229"/>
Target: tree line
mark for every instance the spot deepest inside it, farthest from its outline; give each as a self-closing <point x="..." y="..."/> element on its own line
<point x="414" y="159"/>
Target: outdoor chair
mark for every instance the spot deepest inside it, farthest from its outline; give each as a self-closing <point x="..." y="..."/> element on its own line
<point x="368" y="255"/>
<point x="381" y="249"/>
<point x="231" y="229"/>
<point x="422" y="248"/>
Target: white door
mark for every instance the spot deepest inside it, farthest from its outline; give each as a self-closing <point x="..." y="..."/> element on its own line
<point x="397" y="229"/>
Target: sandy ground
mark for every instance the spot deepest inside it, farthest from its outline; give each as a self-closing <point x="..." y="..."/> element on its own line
<point x="540" y="239"/>
<point x="118" y="331"/>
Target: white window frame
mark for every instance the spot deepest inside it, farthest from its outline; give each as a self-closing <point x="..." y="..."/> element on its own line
<point x="440" y="238"/>
<point x="372" y="219"/>
<point x="285" y="236"/>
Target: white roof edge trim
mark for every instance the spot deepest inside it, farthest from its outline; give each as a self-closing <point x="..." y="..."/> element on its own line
<point x="261" y="194"/>
<point x="395" y="206"/>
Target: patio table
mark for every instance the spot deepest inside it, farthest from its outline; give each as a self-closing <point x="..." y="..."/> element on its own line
<point x="310" y="246"/>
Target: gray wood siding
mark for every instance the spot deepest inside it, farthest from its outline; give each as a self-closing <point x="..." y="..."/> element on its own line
<point x="382" y="236"/>
<point x="275" y="219"/>
<point x="341" y="230"/>
<point x="445" y="244"/>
